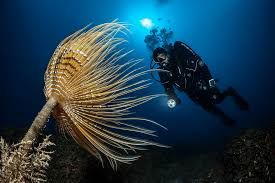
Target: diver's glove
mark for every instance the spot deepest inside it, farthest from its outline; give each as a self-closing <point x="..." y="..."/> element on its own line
<point x="173" y="101"/>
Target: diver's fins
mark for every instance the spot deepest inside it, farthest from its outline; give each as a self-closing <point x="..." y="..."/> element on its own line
<point x="228" y="121"/>
<point x="238" y="99"/>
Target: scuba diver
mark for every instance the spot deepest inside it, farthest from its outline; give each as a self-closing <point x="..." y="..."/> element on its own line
<point x="182" y="68"/>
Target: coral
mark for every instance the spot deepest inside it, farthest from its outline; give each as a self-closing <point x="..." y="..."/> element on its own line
<point x="19" y="166"/>
<point x="248" y="158"/>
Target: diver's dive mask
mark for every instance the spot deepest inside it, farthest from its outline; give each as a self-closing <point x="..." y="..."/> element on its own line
<point x="160" y="55"/>
<point x="162" y="59"/>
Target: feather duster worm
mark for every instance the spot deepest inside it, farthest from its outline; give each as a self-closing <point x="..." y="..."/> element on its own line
<point x="87" y="87"/>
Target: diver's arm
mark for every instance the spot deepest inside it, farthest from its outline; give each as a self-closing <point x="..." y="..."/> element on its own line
<point x="169" y="90"/>
<point x="168" y="86"/>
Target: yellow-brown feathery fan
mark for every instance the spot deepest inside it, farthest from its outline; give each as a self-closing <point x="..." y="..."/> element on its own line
<point x="87" y="88"/>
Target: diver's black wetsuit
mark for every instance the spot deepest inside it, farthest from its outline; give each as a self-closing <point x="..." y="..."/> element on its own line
<point x="190" y="74"/>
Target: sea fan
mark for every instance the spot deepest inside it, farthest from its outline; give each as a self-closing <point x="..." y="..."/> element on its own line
<point x="19" y="166"/>
<point x="87" y="90"/>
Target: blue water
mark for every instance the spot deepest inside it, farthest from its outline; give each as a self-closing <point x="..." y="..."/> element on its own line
<point x="235" y="39"/>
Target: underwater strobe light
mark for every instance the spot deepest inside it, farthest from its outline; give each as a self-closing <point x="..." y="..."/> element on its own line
<point x="171" y="103"/>
<point x="147" y="23"/>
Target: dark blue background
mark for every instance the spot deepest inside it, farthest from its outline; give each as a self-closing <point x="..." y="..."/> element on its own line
<point x="235" y="38"/>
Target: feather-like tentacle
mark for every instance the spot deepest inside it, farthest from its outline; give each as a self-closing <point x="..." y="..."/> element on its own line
<point x="92" y="85"/>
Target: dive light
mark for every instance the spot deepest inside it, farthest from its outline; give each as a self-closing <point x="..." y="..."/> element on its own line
<point x="171" y="103"/>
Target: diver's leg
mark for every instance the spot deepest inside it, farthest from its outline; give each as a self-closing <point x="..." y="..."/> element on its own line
<point x="228" y="121"/>
<point x="238" y="99"/>
<point x="218" y="97"/>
